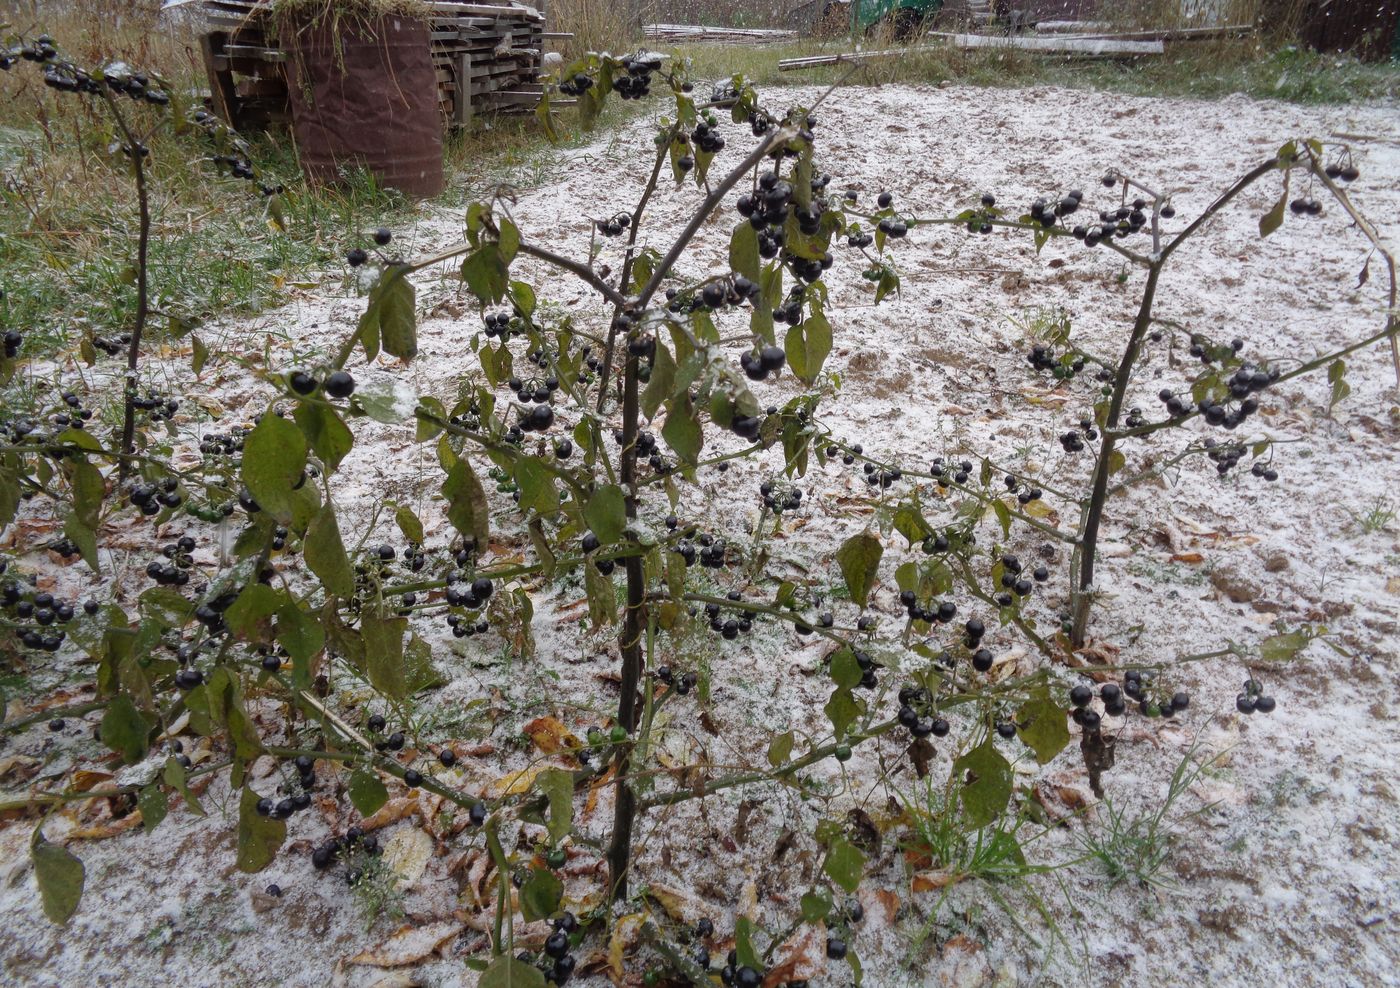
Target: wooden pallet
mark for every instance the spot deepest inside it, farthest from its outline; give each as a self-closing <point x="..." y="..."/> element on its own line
<point x="496" y="46"/>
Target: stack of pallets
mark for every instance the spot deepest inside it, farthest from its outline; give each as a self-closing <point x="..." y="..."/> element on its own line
<point x="487" y="54"/>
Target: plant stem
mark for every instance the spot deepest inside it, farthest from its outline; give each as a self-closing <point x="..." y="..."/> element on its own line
<point x="1093" y="518"/>
<point x="143" y="245"/>
<point x="625" y="800"/>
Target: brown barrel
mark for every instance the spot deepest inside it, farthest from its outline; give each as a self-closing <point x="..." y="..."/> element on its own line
<point x="1364" y="28"/>
<point x="364" y="93"/>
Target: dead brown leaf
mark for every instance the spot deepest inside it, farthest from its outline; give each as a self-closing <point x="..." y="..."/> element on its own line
<point x="410" y="944"/>
<point x="551" y="736"/>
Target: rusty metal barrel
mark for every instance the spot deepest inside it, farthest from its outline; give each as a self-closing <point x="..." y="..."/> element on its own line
<point x="364" y="95"/>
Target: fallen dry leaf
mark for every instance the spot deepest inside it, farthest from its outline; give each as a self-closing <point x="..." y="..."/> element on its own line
<point x="1190" y="558"/>
<point x="407" y="853"/>
<point x="409" y="945"/>
<point x="624" y="936"/>
<point x="551" y="736"/>
<point x="514" y="783"/>
<point x="801" y="958"/>
<point x="105" y="830"/>
<point x="933" y="881"/>
<point x="391" y="812"/>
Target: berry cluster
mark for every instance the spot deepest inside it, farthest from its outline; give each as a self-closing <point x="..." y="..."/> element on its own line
<point x="1138" y="685"/>
<point x="355" y="839"/>
<point x="613" y="227"/>
<point x="780" y="497"/>
<point x="713" y="553"/>
<point x="151" y="498"/>
<point x="556" y="949"/>
<point x="161" y="408"/>
<point x="732" y="627"/>
<point x="112" y="345"/>
<point x="918" y="714"/>
<point x="637" y="82"/>
<point x="1253" y="699"/>
<point x="27" y="604"/>
<point x="176" y="571"/>
<point x="1347" y="172"/>
<point x="683" y="683"/>
<point x="337" y="384"/>
<point x="760" y="363"/>
<point x="576" y="86"/>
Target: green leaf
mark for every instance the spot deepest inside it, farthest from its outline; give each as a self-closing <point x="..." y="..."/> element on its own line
<point x="663" y="381"/>
<point x="409" y="524"/>
<point x="1041" y="725"/>
<point x="303" y="638"/>
<point x="984" y="777"/>
<point x="909" y="521"/>
<point x="859" y="559"/>
<point x="602" y="602"/>
<point x="61" y="877"/>
<point x="466" y="503"/>
<point x="1116" y="461"/>
<point x="330" y="438"/>
<point x="807" y="345"/>
<point x="844" y="864"/>
<point x="816" y="905"/>
<point x="745" y="952"/>
<point x="536" y="483"/>
<point x="325" y="553"/>
<point x="507" y="972"/>
<point x="83" y="537"/>
<point x="743" y="252"/>
<point x="509" y="239"/>
<point x="841" y="710"/>
<point x="175" y="776"/>
<point x="168" y="608"/>
<point x="88" y="491"/>
<point x="780" y="749"/>
<point x="1273" y="219"/>
<point x="540" y="895"/>
<point x="682" y="430"/>
<point x="487" y="274"/>
<point x="1282" y="647"/>
<point x="522" y="296"/>
<point x="151" y="801"/>
<point x="367" y="792"/>
<point x="1336" y="376"/>
<point x="259" y="837"/>
<point x="391" y="317"/>
<point x="384" y="654"/>
<point x="124" y="729"/>
<point x="274" y="462"/>
<point x="557" y="786"/>
<point x="1003" y="515"/>
<point x="606" y="513"/>
<point x="200" y="355"/>
<point x="250" y="617"/>
<point x="845" y="671"/>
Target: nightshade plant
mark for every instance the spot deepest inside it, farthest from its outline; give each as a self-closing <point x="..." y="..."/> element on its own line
<point x="563" y="425"/>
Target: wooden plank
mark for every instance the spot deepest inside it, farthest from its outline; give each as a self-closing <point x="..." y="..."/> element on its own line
<point x="221" y="88"/>
<point x="462" y="104"/>
<point x="1072" y="47"/>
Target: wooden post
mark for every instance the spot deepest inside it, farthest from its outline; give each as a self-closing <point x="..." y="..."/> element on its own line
<point x="462" y="105"/>
<point x="221" y="88"/>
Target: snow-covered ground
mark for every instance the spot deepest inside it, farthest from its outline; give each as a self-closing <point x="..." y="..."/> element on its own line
<point x="1283" y="864"/>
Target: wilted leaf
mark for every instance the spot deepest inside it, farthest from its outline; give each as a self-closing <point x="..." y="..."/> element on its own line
<point x="859" y="559"/>
<point x="412" y="944"/>
<point x="259" y="837"/>
<point x="61" y="877"/>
